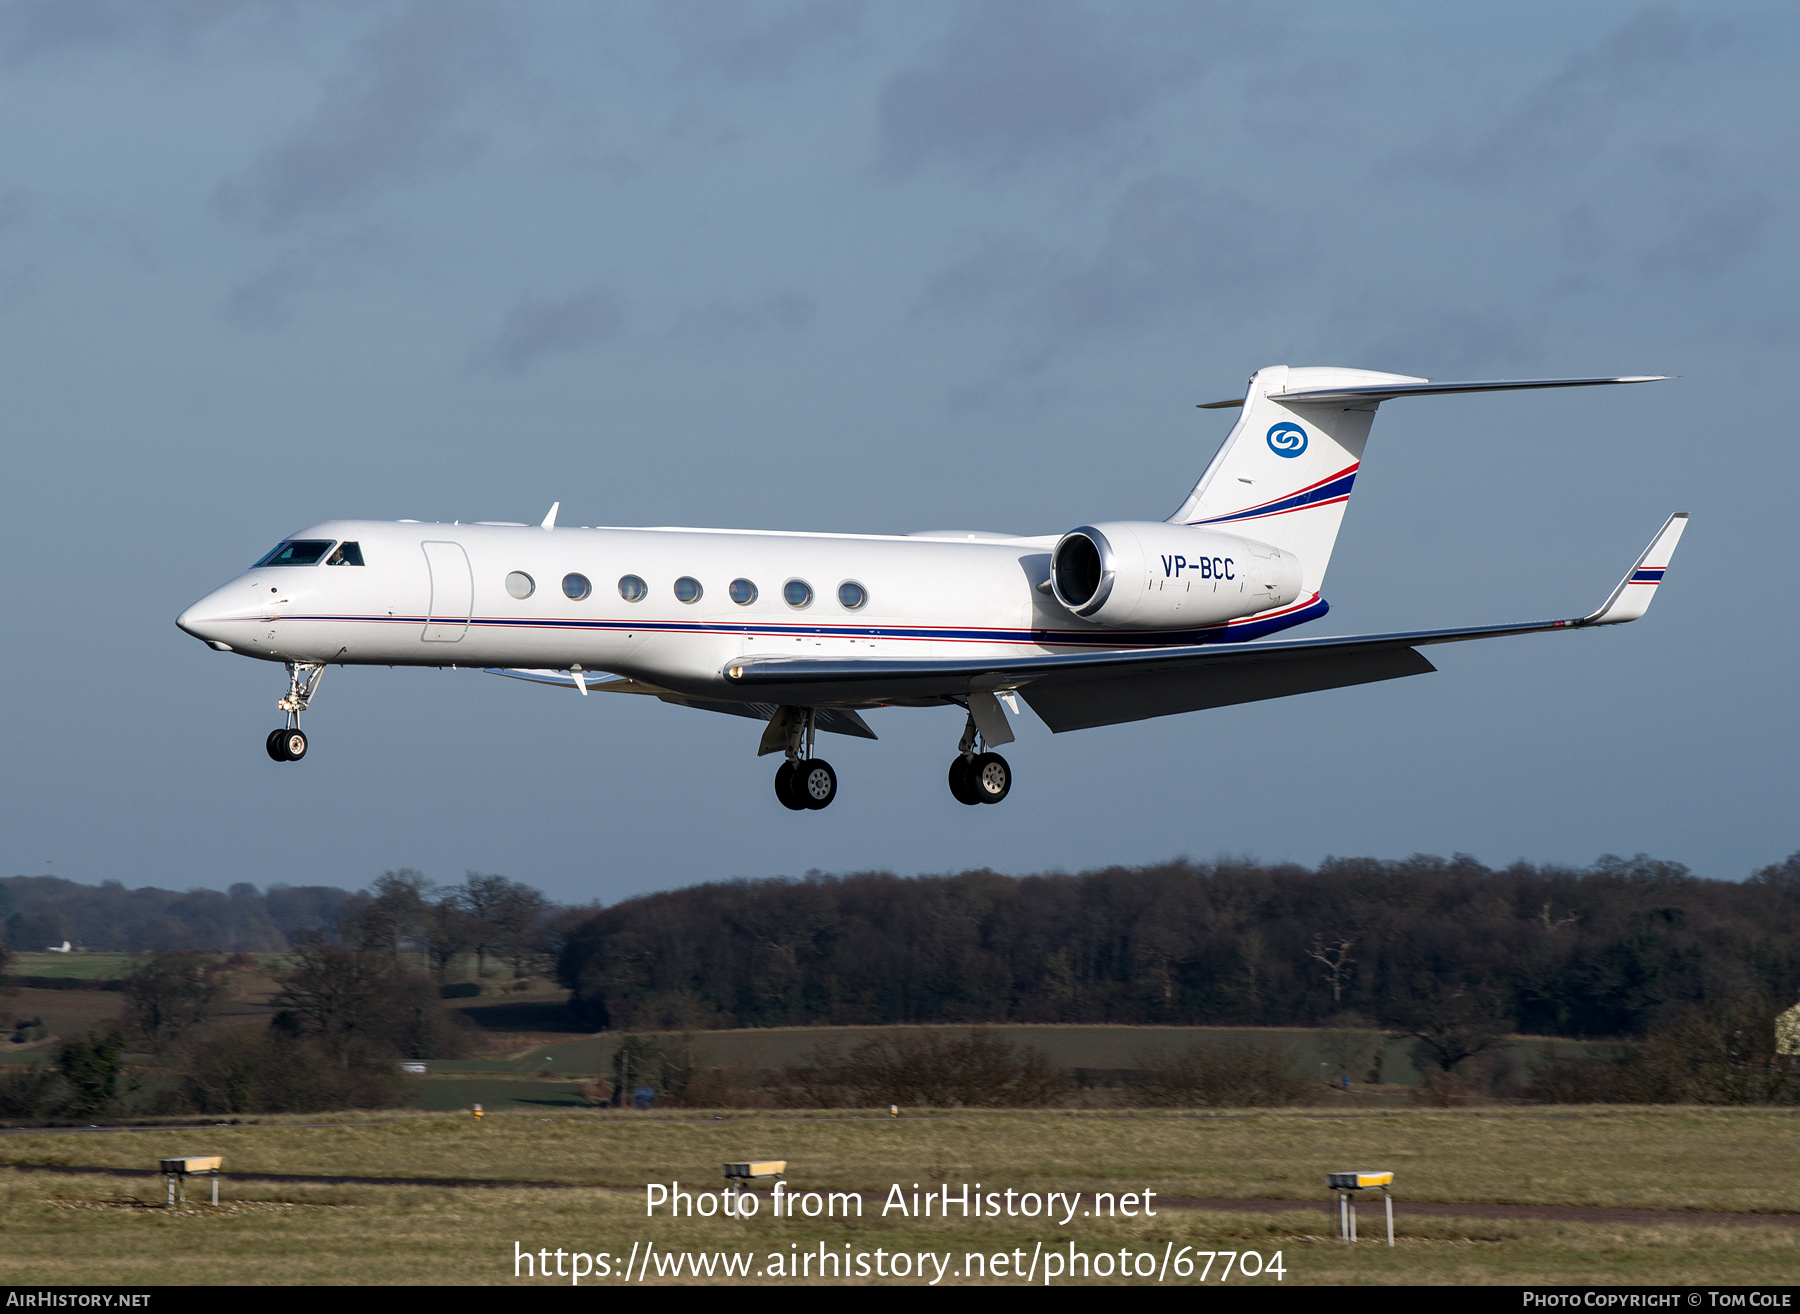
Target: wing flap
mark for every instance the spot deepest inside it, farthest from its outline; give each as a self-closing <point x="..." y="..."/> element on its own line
<point x="835" y="720"/>
<point x="1077" y="703"/>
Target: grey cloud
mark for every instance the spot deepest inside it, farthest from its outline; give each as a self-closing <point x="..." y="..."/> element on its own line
<point x="745" y="42"/>
<point x="1015" y="79"/>
<point x="1708" y="243"/>
<point x="1388" y="330"/>
<point x="1562" y="122"/>
<point x="536" y="329"/>
<point x="1173" y="248"/>
<point x="30" y="28"/>
<point x="266" y="300"/>
<point x="394" y="114"/>
<point x="780" y="312"/>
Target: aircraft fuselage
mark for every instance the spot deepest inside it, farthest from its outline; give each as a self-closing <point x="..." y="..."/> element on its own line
<point x="438" y="595"/>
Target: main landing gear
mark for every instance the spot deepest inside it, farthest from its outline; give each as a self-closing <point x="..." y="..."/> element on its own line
<point x="982" y="777"/>
<point x="289" y="743"/>
<point x="804" y="783"/>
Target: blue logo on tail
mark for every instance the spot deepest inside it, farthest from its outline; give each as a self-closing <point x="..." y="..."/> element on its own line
<point x="1287" y="439"/>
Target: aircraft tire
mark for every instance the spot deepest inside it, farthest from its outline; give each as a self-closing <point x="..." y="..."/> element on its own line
<point x="960" y="789"/>
<point x="815" y="783"/>
<point x="784" y="788"/>
<point x="293" y="745"/>
<point x="273" y="744"/>
<point x="990" y="778"/>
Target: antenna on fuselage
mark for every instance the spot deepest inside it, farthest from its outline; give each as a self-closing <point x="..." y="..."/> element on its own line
<point x="550" y="520"/>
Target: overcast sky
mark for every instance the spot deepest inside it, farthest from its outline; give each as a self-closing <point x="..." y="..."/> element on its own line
<point x="831" y="265"/>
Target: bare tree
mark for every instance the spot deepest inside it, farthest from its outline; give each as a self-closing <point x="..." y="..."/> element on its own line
<point x="450" y="932"/>
<point x="1337" y="961"/>
<point x="168" y="994"/>
<point x="506" y="918"/>
<point x="1451" y="1021"/>
<point x="340" y="995"/>
<point x="395" y="908"/>
<point x="1556" y="924"/>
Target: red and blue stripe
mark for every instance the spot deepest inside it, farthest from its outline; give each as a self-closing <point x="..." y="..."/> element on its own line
<point x="1332" y="488"/>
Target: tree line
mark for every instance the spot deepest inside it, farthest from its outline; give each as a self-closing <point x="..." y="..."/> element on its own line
<point x="490" y="917"/>
<point x="345" y="1016"/>
<point x="38" y="911"/>
<point x="1447" y="950"/>
<point x="357" y="994"/>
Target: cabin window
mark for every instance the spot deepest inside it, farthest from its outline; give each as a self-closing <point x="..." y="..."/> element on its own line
<point x="520" y="585"/>
<point x="297" y="552"/>
<point x="742" y="592"/>
<point x="576" y="587"/>
<point x="687" y="589"/>
<point x="797" y="592"/>
<point x="633" y="589"/>
<point x="852" y="595"/>
<point x="348" y="554"/>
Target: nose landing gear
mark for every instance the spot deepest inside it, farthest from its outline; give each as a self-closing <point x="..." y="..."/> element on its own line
<point x="289" y="743"/>
<point x="804" y="783"/>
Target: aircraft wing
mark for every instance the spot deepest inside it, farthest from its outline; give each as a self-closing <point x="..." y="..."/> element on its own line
<point x="837" y="720"/>
<point x="1075" y="691"/>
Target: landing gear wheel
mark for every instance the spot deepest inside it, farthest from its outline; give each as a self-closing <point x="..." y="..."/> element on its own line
<point x="960" y="789"/>
<point x="990" y="779"/>
<point x="815" y="783"/>
<point x="784" y="788"/>
<point x="293" y="745"/>
<point x="273" y="744"/>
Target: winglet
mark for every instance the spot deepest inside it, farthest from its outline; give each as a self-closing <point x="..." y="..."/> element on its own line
<point x="1632" y="598"/>
<point x="550" y="520"/>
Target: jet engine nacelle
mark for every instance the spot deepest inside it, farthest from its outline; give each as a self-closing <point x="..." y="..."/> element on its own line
<point x="1150" y="575"/>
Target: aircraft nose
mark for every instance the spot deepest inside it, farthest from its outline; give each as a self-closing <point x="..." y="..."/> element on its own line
<point x="204" y="620"/>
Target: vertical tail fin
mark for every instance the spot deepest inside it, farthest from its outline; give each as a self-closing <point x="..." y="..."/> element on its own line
<point x="1283" y="474"/>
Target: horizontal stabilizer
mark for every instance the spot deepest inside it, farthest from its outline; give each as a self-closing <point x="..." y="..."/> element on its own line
<point x="1385" y="392"/>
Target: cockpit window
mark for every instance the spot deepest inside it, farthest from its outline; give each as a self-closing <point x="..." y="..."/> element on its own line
<point x="298" y="552"/>
<point x="348" y="554"/>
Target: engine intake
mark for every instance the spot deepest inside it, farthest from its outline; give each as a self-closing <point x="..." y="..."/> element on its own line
<point x="1081" y="570"/>
<point x="1151" y="575"/>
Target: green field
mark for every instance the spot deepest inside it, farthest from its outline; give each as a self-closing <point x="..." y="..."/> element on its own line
<point x="86" y="966"/>
<point x="89" y="1228"/>
<point x="457" y="1083"/>
<point x="1096" y="1047"/>
<point x="80" y="966"/>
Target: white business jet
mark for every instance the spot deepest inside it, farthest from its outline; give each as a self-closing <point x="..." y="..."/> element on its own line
<point x="1110" y="622"/>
